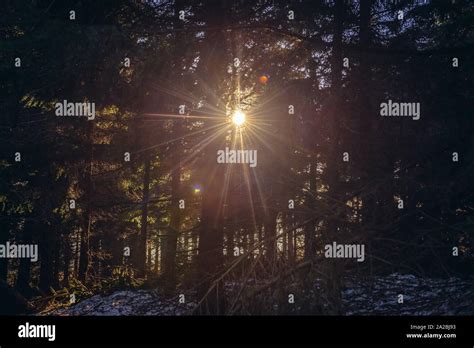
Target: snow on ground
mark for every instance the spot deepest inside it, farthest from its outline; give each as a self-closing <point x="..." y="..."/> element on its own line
<point x="139" y="302"/>
<point x="421" y="296"/>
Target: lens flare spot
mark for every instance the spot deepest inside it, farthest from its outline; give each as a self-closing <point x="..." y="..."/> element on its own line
<point x="263" y="79"/>
<point x="238" y="118"/>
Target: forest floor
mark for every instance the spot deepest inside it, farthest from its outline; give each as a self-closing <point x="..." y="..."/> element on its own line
<point x="376" y="296"/>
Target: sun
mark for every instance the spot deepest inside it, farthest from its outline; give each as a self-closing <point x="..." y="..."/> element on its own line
<point x="238" y="118"/>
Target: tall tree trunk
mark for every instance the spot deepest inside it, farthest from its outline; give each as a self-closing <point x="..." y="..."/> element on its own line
<point x="140" y="253"/>
<point x="83" y="264"/>
<point x="333" y="269"/>
<point x="366" y="124"/>
<point x="84" y="254"/>
<point x="157" y="255"/>
<point x="148" y="254"/>
<point x="309" y="229"/>
<point x="210" y="257"/>
<point x="365" y="116"/>
<point x="24" y="272"/>
<point x="172" y="233"/>
<point x="67" y="259"/>
<point x="47" y="242"/>
<point x="169" y="261"/>
<point x="4" y="261"/>
<point x="77" y="252"/>
<point x="56" y="257"/>
<point x="210" y="254"/>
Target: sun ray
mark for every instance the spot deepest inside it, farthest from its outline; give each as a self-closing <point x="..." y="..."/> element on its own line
<point x="246" y="175"/>
<point x="181" y="137"/>
<point x="179" y="116"/>
<point x="200" y="146"/>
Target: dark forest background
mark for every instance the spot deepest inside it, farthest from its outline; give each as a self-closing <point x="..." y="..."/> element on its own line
<point x="238" y="246"/>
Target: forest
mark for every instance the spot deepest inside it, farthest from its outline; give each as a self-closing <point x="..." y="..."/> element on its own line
<point x="236" y="157"/>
